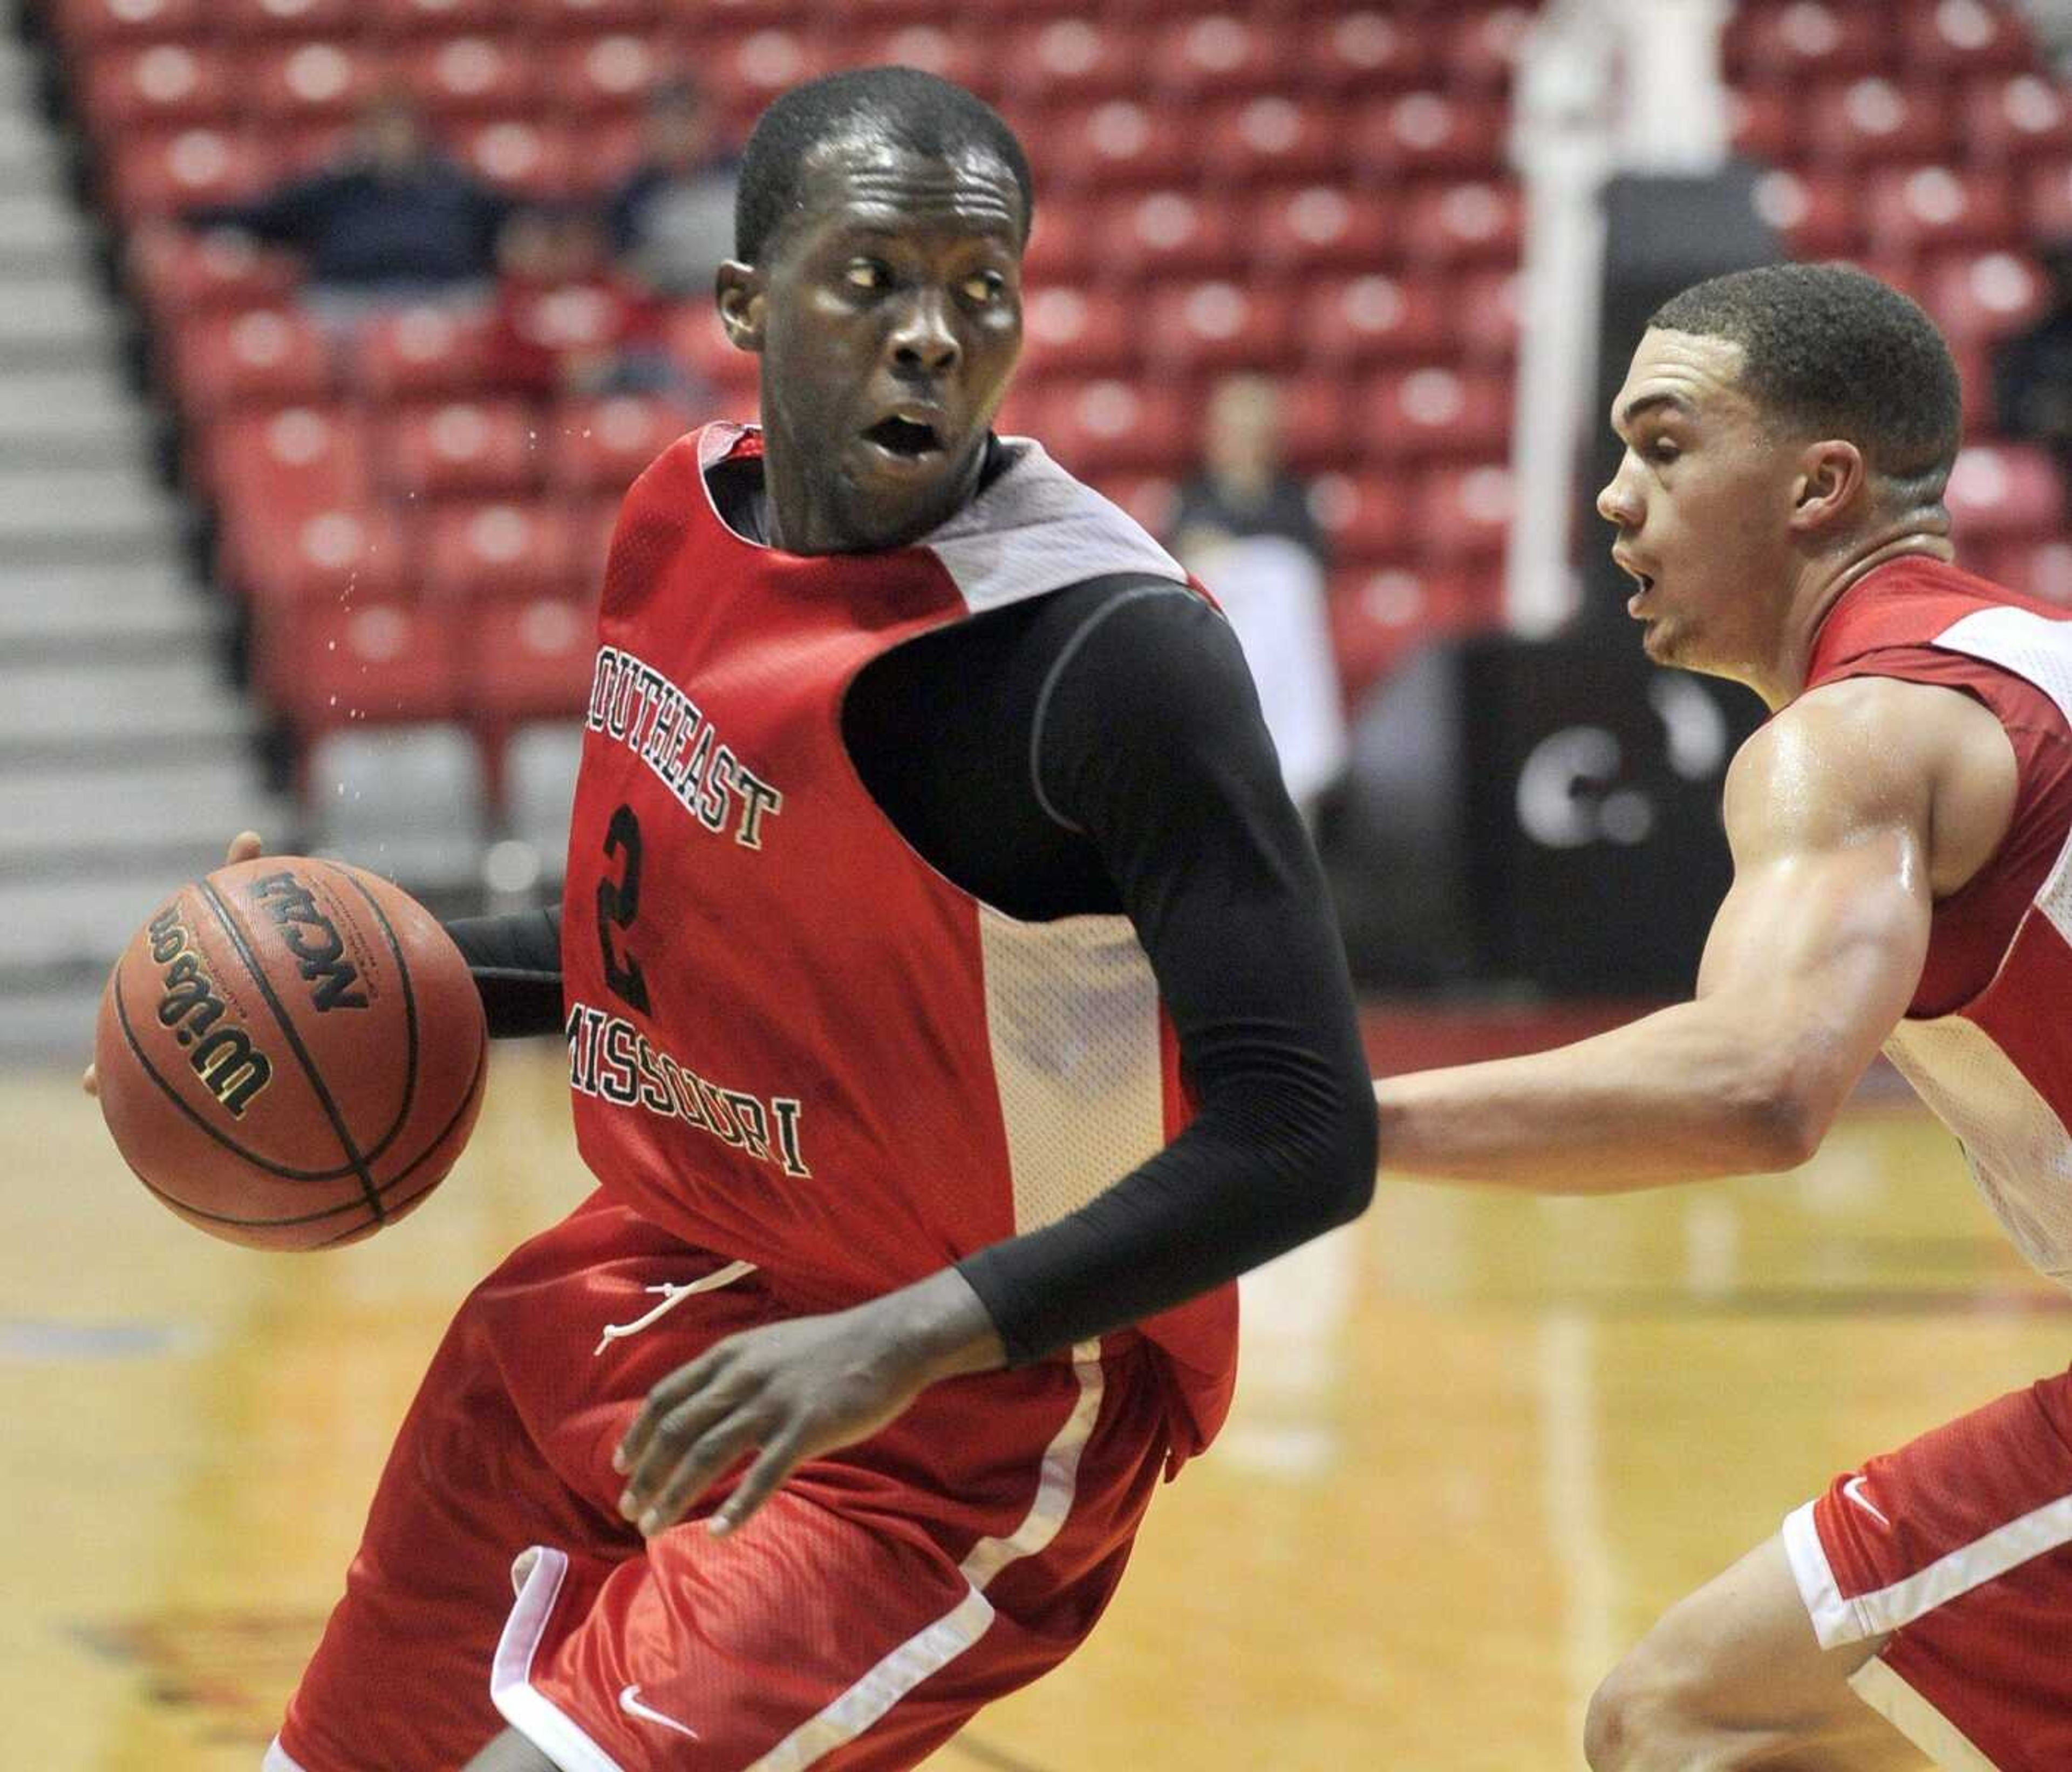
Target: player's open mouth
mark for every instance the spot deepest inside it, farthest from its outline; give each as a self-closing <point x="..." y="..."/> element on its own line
<point x="905" y="440"/>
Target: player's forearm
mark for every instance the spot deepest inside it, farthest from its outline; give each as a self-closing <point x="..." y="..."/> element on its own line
<point x="1684" y="1094"/>
<point x="516" y="962"/>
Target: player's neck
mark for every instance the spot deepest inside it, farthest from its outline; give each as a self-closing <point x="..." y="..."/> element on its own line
<point x="1822" y="582"/>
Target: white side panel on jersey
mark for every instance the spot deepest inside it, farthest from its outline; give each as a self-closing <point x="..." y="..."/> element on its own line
<point x="1036" y="528"/>
<point x="1072" y="1011"/>
<point x="2016" y="1146"/>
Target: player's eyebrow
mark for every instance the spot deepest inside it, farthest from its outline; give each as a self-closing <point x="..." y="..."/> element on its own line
<point x="1641" y="406"/>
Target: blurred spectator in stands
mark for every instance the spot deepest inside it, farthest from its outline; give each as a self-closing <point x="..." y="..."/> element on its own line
<point x="2032" y="368"/>
<point x="672" y="217"/>
<point x="1243" y="526"/>
<point x="566" y="323"/>
<point x="393" y="221"/>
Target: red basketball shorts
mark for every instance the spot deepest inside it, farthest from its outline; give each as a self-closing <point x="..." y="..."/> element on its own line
<point x="1959" y="1545"/>
<point x="884" y="1594"/>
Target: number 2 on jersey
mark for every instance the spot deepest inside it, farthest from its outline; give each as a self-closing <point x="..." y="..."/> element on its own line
<point x="618" y="904"/>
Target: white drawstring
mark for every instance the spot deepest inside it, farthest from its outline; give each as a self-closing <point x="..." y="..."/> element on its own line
<point x="671" y="1297"/>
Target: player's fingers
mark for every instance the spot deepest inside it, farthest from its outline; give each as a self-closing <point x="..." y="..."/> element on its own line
<point x="90" y="1081"/>
<point x="683" y="1383"/>
<point x="779" y="1460"/>
<point x="695" y="1472"/>
<point x="246" y="846"/>
<point x="675" y="1436"/>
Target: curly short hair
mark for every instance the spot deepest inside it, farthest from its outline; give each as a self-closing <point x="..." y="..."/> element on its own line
<point x="920" y="112"/>
<point x="1829" y="351"/>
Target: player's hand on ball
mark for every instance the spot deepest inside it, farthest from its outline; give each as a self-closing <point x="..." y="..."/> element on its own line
<point x="246" y="846"/>
<point x="795" y="1390"/>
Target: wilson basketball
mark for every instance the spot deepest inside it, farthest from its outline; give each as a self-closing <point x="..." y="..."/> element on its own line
<point x="291" y="1053"/>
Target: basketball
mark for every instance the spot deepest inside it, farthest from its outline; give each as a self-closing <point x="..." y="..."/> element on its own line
<point x="291" y="1053"/>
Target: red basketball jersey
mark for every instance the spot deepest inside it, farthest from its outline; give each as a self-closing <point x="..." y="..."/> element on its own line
<point x="1987" y="1043"/>
<point x="791" y="1042"/>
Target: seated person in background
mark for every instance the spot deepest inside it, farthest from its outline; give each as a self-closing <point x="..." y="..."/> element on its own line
<point x="1243" y="527"/>
<point x="2032" y="368"/>
<point x="393" y="220"/>
<point x="672" y="218"/>
<point x="566" y="324"/>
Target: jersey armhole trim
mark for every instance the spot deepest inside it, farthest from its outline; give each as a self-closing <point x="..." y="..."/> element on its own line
<point x="1066" y="654"/>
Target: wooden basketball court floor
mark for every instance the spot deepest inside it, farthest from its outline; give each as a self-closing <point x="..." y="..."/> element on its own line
<point x="1480" y="1443"/>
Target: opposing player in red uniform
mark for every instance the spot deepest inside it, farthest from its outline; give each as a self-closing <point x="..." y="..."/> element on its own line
<point x="1899" y="828"/>
<point x="953" y="1010"/>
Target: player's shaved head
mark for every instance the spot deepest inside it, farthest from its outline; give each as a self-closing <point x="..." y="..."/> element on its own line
<point x="900" y="106"/>
<point x="1828" y="351"/>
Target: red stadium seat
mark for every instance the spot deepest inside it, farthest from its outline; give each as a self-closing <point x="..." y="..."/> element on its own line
<point x="1380" y="614"/>
<point x="1479" y="223"/>
<point x="1215" y="326"/>
<point x="1359" y="54"/>
<point x="697" y="337"/>
<point x="1118" y="427"/>
<point x="1219" y="54"/>
<point x="1120" y="145"/>
<point x="1872" y="120"/>
<point x="594" y="526"/>
<point x="1945" y="37"/>
<point x="536" y="160"/>
<point x="239" y="21"/>
<point x="2036" y="568"/>
<point x="1926" y="208"/>
<point x="2002" y="492"/>
<point x="1353" y="322"/>
<point x="1364" y="514"/>
<point x="1490" y="307"/>
<point x="1079" y="332"/>
<point x="1817" y="218"/>
<point x="1804" y="40"/>
<point x="1273" y="139"/>
<point x="291" y="461"/>
<point x="159" y="85"/>
<point x="499" y="551"/>
<point x="743" y="78"/>
<point x="1151" y="499"/>
<point x="374" y="663"/>
<point x="177" y="273"/>
<point x="334" y="559"/>
<point x="1317" y="423"/>
<point x="155" y="173"/>
<point x="83" y="25"/>
<point x="587" y="17"/>
<point x="2019" y="117"/>
<point x="936" y="45"/>
<point x="465" y="449"/>
<point x="1983" y="297"/>
<point x="613" y="73"/>
<point x="1434" y="414"/>
<point x="1420" y="134"/>
<point x="1769" y="122"/>
<point x="1461" y="516"/>
<point x="268" y="357"/>
<point x="1066" y="245"/>
<point x="1322" y="229"/>
<point x="310" y="81"/>
<point x="1482" y="47"/>
<point x="529" y="661"/>
<point x="2047" y="202"/>
<point x="1075" y="59"/>
<point x="729" y="19"/>
<point x="472" y="76"/>
<point x="420" y="353"/>
<point x="597" y="446"/>
<point x="400" y="18"/>
<point x="1168" y="234"/>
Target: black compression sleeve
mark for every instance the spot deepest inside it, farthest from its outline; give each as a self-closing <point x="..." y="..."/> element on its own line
<point x="1150" y="743"/>
<point x="516" y="962"/>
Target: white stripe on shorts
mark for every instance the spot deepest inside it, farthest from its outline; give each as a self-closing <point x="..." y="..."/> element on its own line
<point x="1838" y="1618"/>
<point x="931" y="1650"/>
<point x="277" y="1758"/>
<point x="1918" y="1719"/>
<point x="526" y="1709"/>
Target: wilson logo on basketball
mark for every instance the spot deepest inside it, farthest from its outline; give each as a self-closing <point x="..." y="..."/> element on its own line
<point x="314" y="939"/>
<point x="223" y="1058"/>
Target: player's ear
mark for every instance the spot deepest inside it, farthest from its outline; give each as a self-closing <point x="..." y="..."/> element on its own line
<point x="1831" y="474"/>
<point x="739" y="288"/>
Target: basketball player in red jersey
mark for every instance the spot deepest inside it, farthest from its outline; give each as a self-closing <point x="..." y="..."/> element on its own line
<point x="953" y="1009"/>
<point x="1898" y="827"/>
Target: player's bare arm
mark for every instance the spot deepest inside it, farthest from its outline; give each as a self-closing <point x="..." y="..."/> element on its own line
<point x="1848" y="815"/>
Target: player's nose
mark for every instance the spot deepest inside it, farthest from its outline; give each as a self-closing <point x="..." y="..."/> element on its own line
<point x="1618" y="503"/>
<point x="924" y="337"/>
